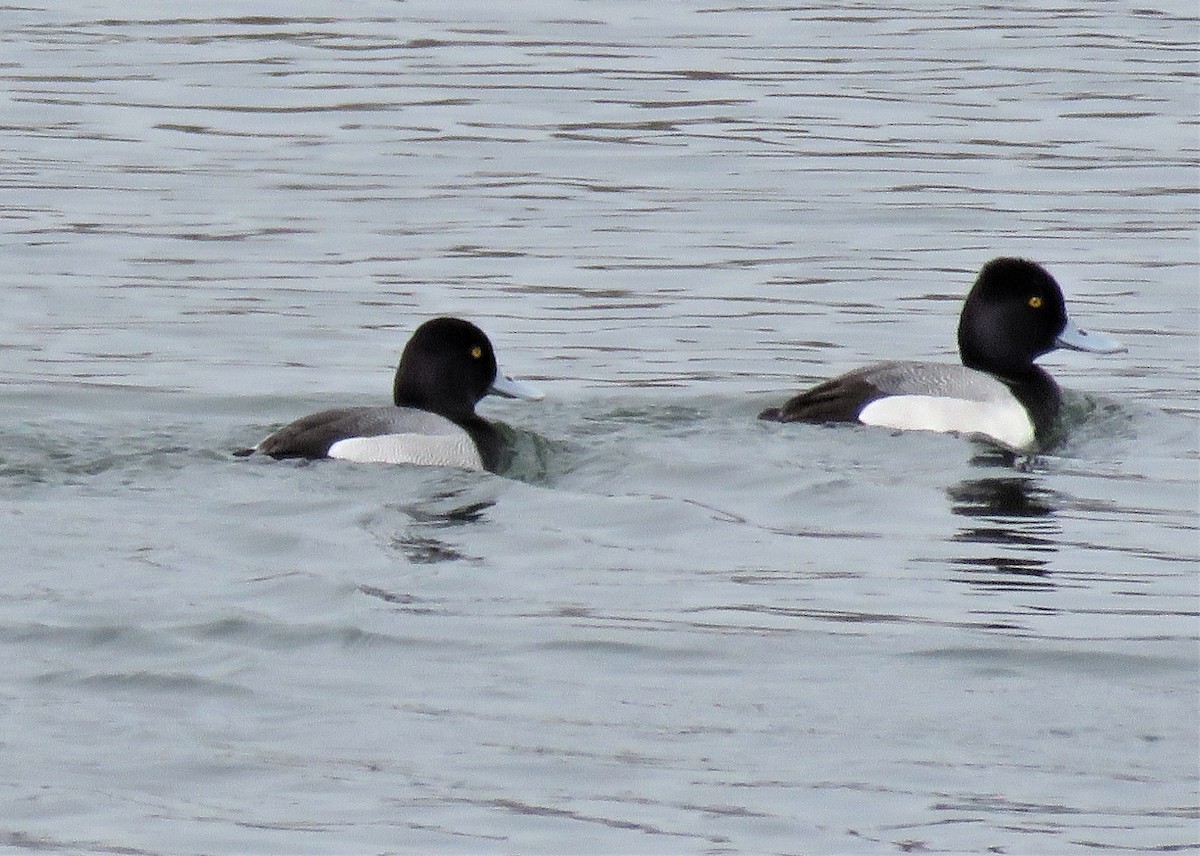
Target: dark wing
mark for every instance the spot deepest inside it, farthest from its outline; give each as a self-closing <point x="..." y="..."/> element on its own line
<point x="836" y="400"/>
<point x="311" y="436"/>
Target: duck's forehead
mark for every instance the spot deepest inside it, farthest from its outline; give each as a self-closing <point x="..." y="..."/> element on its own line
<point x="1013" y="275"/>
<point x="470" y="339"/>
<point x="1036" y="292"/>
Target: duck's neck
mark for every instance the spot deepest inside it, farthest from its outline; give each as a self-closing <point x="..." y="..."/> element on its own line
<point x="1041" y="398"/>
<point x="411" y="395"/>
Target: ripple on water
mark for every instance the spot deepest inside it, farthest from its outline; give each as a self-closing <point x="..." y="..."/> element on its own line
<point x="671" y="625"/>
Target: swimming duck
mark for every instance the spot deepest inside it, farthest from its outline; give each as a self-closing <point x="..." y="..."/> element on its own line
<point x="446" y="368"/>
<point x="1013" y="314"/>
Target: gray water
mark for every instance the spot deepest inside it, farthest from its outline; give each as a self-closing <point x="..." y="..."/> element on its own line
<point x="670" y="628"/>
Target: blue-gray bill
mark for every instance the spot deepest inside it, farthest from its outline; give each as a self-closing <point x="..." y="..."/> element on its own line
<point x="1075" y="339"/>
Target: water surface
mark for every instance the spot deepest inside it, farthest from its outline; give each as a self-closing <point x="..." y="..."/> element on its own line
<point x="671" y="628"/>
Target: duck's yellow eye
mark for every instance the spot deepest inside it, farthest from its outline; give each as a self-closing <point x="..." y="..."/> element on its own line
<point x="476" y="352"/>
<point x="1035" y="302"/>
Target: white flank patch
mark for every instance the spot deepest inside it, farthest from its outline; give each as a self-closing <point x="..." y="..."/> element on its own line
<point x="438" y="450"/>
<point x="1005" y="421"/>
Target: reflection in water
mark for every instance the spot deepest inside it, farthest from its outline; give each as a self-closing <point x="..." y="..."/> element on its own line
<point x="428" y="518"/>
<point x="446" y="509"/>
<point x="1012" y="514"/>
<point x="423" y="550"/>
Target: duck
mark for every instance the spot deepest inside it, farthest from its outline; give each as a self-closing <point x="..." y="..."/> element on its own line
<point x="1014" y="313"/>
<point x="446" y="368"/>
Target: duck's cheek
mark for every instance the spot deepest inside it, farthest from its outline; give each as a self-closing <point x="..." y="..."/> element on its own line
<point x="1006" y="422"/>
